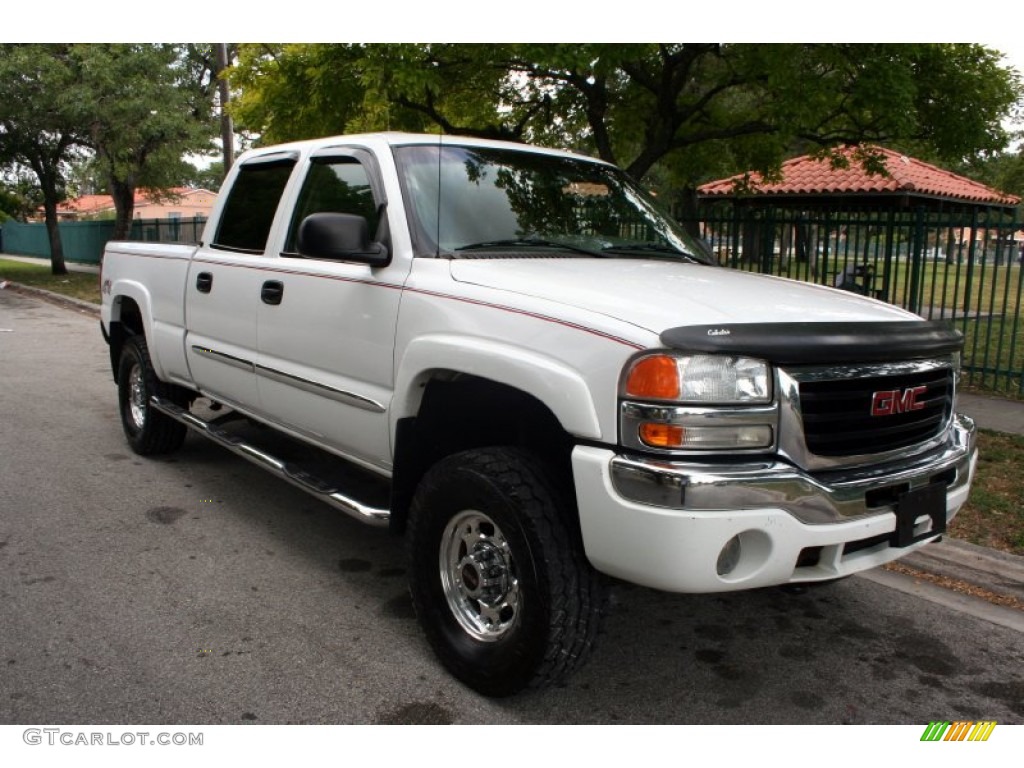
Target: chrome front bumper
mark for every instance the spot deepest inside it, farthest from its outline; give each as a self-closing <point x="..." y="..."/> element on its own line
<point x="824" y="497"/>
<point x="674" y="525"/>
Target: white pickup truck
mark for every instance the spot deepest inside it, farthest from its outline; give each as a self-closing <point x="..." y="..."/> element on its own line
<point x="510" y="356"/>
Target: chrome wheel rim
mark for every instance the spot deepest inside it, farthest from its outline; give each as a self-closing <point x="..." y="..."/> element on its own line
<point x="478" y="576"/>
<point x="137" y="396"/>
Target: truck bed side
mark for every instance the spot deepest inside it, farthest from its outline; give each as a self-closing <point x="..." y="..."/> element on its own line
<point x="143" y="288"/>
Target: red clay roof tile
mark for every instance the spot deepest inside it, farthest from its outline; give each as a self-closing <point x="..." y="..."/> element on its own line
<point x="807" y="175"/>
<point x="89" y="204"/>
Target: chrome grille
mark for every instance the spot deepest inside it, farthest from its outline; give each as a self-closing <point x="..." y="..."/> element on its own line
<point x="837" y="413"/>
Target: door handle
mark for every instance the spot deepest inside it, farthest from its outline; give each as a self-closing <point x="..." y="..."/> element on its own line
<point x="204" y="282"/>
<point x="272" y="292"/>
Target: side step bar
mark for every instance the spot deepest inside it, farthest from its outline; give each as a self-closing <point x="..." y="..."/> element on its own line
<point x="295" y="475"/>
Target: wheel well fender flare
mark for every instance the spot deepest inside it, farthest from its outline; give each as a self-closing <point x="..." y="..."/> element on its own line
<point x="126" y="293"/>
<point x="562" y="389"/>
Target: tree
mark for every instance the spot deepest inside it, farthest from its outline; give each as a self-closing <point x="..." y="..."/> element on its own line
<point x="1003" y="171"/>
<point x="208" y="177"/>
<point x="148" y="106"/>
<point x="1009" y="174"/>
<point x="20" y="198"/>
<point x="139" y="108"/>
<point x="41" y="123"/>
<point x="294" y="91"/>
<point x="697" y="111"/>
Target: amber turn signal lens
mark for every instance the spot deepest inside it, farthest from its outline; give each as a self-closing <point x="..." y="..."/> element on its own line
<point x="656" y="376"/>
<point x="661" y="435"/>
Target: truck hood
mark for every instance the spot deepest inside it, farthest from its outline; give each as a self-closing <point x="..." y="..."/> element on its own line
<point x="656" y="295"/>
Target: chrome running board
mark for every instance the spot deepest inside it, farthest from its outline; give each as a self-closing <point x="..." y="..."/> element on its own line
<point x="297" y="476"/>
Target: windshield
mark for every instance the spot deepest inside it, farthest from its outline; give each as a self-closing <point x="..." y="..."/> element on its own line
<point x="499" y="199"/>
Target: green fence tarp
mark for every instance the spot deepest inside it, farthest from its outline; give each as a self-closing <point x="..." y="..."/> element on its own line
<point x="84" y="241"/>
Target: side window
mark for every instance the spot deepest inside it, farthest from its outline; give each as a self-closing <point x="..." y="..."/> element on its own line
<point x="251" y="205"/>
<point x="337" y="185"/>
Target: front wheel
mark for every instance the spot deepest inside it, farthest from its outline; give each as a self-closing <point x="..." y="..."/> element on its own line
<point x="500" y="584"/>
<point x="148" y="431"/>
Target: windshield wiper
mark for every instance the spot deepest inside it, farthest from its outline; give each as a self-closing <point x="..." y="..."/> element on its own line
<point x="529" y="242"/>
<point x="653" y="248"/>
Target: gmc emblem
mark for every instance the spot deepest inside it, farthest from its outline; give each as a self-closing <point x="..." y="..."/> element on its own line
<point x="892" y="401"/>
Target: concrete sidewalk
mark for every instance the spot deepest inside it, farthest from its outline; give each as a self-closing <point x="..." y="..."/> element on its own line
<point x="995" y="413"/>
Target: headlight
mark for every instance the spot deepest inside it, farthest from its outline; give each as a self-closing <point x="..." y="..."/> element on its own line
<point x="698" y="403"/>
<point x="704" y="379"/>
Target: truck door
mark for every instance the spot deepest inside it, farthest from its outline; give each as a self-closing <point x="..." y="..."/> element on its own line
<point x="326" y="340"/>
<point x="225" y="282"/>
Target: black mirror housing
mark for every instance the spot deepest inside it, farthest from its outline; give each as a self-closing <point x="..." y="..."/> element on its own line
<point x="340" y="237"/>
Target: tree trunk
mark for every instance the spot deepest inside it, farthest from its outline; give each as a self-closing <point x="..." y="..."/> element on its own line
<point x="52" y="196"/>
<point x="57" y="266"/>
<point x="124" y="206"/>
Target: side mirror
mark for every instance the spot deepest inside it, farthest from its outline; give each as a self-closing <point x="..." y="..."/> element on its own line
<point x="340" y="237"/>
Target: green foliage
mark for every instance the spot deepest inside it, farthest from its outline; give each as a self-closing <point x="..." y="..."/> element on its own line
<point x="138" y="108"/>
<point x="696" y="111"/>
<point x="147" y="107"/>
<point x="1003" y="171"/>
<point x="19" y="199"/>
<point x="41" y="123"/>
<point x="296" y="91"/>
<point x="208" y="177"/>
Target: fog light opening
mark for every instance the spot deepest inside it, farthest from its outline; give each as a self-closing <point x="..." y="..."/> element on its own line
<point x="744" y="556"/>
<point x="729" y="557"/>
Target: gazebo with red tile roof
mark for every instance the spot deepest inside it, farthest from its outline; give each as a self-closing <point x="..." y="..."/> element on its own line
<point x="813" y="181"/>
<point x="832" y="221"/>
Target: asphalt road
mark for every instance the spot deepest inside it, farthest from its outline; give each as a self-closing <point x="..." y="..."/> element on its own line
<point x="198" y="590"/>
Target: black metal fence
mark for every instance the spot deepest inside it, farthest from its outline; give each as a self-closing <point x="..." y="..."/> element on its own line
<point x="171" y="230"/>
<point x="962" y="267"/>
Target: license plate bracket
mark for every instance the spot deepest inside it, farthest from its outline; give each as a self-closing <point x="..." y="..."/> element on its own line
<point x="927" y="500"/>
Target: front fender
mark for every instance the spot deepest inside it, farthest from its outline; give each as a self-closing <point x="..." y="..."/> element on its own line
<point x="558" y="386"/>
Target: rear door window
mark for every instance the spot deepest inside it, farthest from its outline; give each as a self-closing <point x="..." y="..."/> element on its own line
<point x="252" y="202"/>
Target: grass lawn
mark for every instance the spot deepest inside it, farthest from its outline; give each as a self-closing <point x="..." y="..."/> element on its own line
<point x="994" y="515"/>
<point x="984" y="288"/>
<point x="993" y="359"/>
<point x="78" y="285"/>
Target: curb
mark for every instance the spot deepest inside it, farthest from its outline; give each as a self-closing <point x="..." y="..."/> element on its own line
<point x="990" y="569"/>
<point x="67" y="302"/>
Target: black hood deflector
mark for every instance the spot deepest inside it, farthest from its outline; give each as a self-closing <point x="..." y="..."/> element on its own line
<point x="810" y="343"/>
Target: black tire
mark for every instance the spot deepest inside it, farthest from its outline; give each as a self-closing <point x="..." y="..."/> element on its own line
<point x="148" y="431"/>
<point x="516" y="607"/>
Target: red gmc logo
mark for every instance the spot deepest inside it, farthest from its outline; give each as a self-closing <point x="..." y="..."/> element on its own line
<point x="892" y="401"/>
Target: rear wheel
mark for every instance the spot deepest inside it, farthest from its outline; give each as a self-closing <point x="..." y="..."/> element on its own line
<point x="500" y="583"/>
<point x="148" y="431"/>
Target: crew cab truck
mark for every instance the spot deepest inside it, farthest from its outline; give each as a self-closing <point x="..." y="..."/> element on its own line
<point x="511" y="357"/>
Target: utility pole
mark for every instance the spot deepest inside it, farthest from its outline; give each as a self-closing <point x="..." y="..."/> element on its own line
<point x="227" y="130"/>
